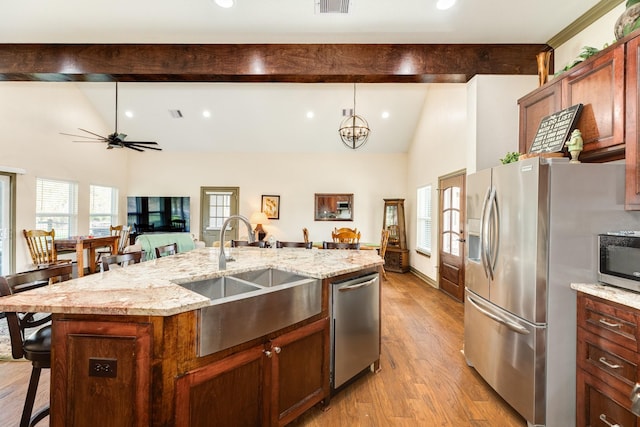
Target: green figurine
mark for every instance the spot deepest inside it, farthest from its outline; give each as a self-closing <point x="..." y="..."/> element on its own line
<point x="575" y="145"/>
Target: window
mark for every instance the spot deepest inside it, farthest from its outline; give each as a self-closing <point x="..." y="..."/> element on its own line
<point x="424" y="220"/>
<point x="103" y="209"/>
<point x="57" y="206"/>
<point x="219" y="208"/>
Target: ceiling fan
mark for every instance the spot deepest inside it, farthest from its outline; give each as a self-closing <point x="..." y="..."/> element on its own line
<point x="115" y="139"/>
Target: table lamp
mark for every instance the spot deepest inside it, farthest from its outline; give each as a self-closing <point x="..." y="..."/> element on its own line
<point x="259" y="218"/>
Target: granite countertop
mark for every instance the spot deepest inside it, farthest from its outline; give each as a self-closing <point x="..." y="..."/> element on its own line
<point x="610" y="293"/>
<point x="151" y="288"/>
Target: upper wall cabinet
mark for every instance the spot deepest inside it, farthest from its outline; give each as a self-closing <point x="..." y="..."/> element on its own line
<point x="597" y="84"/>
<point x="632" y="130"/>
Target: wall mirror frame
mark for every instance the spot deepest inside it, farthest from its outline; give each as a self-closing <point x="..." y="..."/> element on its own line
<point x="333" y="207"/>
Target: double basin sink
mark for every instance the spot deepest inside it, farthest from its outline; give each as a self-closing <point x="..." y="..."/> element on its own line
<point x="251" y="304"/>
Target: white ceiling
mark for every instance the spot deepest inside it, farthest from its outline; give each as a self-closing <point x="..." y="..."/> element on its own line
<point x="272" y="116"/>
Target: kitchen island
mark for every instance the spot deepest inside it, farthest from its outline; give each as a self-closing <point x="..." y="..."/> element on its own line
<point x="125" y="343"/>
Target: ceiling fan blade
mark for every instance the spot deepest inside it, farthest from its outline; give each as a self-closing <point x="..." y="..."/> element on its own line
<point x="146" y="147"/>
<point x="90" y="142"/>
<point x="82" y="136"/>
<point x="141" y="142"/>
<point x="93" y="133"/>
<point x="134" y="148"/>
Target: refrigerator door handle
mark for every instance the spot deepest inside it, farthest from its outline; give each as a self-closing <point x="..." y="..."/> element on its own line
<point x="483" y="233"/>
<point x="495" y="234"/>
<point x="513" y="326"/>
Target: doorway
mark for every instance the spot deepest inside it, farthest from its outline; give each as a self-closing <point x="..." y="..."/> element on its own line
<point x="451" y="218"/>
<point x="216" y="205"/>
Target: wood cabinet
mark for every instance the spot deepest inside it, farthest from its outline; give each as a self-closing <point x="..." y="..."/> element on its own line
<point x="270" y="384"/>
<point x="397" y="255"/>
<point x="632" y="131"/>
<point x="102" y="375"/>
<point x="599" y="84"/>
<point x="608" y="358"/>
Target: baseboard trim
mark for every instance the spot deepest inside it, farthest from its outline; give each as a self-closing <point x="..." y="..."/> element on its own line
<point x="428" y="280"/>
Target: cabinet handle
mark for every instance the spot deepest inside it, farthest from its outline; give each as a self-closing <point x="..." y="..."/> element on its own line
<point x="268" y="353"/>
<point x="609" y="364"/>
<point x="277" y="350"/>
<point x="603" y="418"/>
<point x="609" y="324"/>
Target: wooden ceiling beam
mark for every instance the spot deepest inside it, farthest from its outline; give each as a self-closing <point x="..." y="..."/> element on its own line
<point x="303" y="63"/>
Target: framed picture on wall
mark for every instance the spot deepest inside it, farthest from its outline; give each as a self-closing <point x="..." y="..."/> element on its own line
<point x="271" y="206"/>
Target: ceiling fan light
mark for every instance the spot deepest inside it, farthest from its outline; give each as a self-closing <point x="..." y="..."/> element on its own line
<point x="445" y="4"/>
<point x="225" y="3"/>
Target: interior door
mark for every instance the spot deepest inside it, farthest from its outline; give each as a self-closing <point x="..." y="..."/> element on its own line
<point x="216" y="205"/>
<point x="451" y="218"/>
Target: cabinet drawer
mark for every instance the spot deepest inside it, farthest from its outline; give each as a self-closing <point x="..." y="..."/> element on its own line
<point x="614" y="364"/>
<point x="609" y="320"/>
<point x="602" y="407"/>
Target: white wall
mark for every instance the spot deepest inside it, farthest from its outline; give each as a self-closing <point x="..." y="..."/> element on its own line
<point x="295" y="177"/>
<point x="492" y="104"/>
<point x="596" y="35"/>
<point x="438" y="148"/>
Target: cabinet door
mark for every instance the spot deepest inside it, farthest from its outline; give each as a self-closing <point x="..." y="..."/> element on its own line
<point x="598" y="84"/>
<point x="533" y="108"/>
<point x="225" y="393"/>
<point x="102" y="374"/>
<point x="299" y="376"/>
<point x="632" y="155"/>
<point x="600" y="405"/>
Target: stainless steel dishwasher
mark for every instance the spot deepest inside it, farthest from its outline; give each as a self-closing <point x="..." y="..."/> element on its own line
<point x="355" y="332"/>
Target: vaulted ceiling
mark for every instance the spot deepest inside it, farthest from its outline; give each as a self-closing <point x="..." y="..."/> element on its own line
<point x="195" y="56"/>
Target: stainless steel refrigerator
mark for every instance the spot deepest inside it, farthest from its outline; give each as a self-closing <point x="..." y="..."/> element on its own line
<point x="531" y="231"/>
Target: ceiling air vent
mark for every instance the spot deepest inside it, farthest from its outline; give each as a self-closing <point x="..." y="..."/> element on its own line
<point x="332" y="6"/>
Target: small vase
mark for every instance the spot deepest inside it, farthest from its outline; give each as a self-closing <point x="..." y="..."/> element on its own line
<point x="543" y="59"/>
<point x="626" y="21"/>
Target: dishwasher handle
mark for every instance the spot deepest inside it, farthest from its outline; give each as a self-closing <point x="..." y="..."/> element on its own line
<point x="357" y="285"/>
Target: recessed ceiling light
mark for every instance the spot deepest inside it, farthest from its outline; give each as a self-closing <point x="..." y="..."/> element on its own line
<point x="385" y="114"/>
<point x="225" y="3"/>
<point x="310" y="114"/>
<point x="445" y="4"/>
<point x="206" y="113"/>
<point x="128" y="113"/>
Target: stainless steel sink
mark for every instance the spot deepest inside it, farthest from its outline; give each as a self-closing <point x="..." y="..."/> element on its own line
<point x="251" y="304"/>
<point x="220" y="287"/>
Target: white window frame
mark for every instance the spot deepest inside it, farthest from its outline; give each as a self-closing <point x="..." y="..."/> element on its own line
<point x="109" y="209"/>
<point x="57" y="206"/>
<point x="424" y="220"/>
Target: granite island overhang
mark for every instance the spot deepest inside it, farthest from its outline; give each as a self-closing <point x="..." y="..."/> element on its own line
<point x="152" y="288"/>
<point x="140" y="325"/>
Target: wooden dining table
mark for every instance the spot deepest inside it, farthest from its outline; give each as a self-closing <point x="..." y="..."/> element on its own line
<point x="90" y="243"/>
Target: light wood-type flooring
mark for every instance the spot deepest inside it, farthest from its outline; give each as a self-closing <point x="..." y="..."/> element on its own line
<point x="424" y="380"/>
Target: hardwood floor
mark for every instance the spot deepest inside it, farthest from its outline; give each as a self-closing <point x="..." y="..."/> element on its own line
<point x="424" y="380"/>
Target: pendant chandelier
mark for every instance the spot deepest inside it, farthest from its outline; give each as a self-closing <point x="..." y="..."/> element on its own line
<point x="354" y="130"/>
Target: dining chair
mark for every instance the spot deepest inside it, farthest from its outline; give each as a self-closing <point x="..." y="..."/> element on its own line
<point x="122" y="232"/>
<point x="384" y="240"/>
<point x="42" y="249"/>
<point x="346" y="236"/>
<point x="166" y="250"/>
<point x="340" y="245"/>
<point x="305" y="235"/>
<point x="32" y="345"/>
<point x="239" y="243"/>
<point x="121" y="259"/>
<point x="306" y="245"/>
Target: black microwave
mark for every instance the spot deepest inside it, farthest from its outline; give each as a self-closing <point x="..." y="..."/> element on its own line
<point x="619" y="261"/>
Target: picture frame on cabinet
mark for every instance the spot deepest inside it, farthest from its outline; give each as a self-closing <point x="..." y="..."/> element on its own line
<point x="271" y="206"/>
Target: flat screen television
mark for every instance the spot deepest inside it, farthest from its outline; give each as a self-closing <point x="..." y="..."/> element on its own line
<point x="147" y="214"/>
